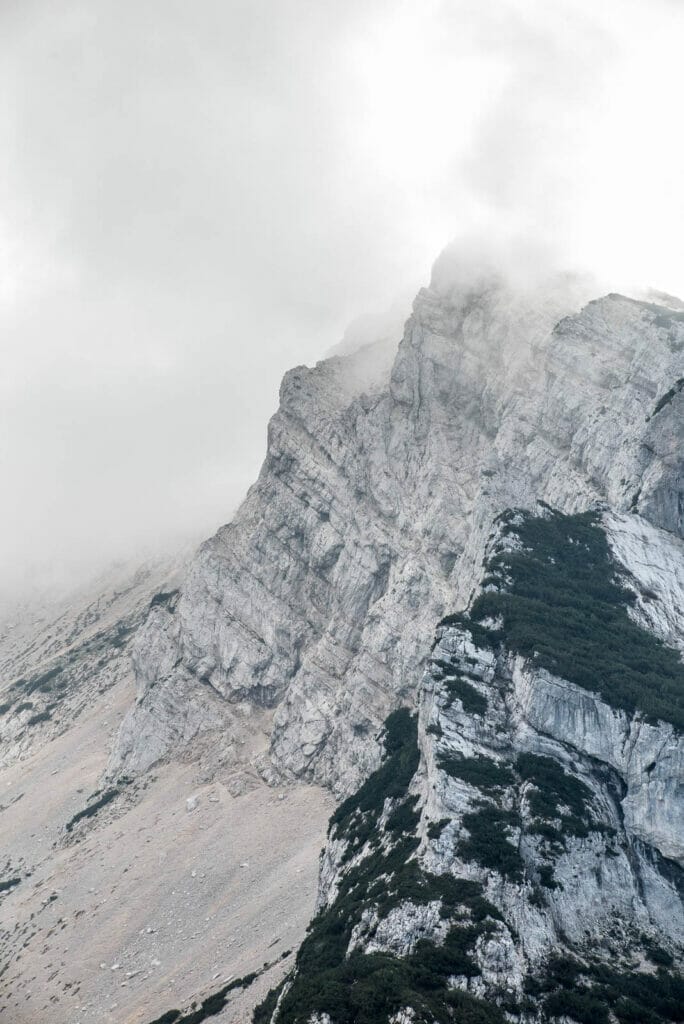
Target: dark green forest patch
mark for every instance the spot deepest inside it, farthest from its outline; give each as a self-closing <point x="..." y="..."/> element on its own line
<point x="368" y="988"/>
<point x="489" y="843"/>
<point x="589" y="993"/>
<point x="482" y="772"/>
<point x="212" y="1005"/>
<point x="563" y="603"/>
<point x="458" y="688"/>
<point x="553" y="791"/>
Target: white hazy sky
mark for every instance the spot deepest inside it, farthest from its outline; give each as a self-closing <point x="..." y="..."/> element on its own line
<point x="196" y="196"/>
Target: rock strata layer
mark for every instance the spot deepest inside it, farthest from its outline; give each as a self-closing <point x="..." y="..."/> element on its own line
<point x="371" y="514"/>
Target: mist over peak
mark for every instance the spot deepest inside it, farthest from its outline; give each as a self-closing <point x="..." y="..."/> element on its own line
<point x="519" y="266"/>
<point x="192" y="203"/>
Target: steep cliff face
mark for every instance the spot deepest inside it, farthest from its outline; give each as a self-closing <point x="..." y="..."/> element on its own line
<point x="518" y="855"/>
<point x="372" y="511"/>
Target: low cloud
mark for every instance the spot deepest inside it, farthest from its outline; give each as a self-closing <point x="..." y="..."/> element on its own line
<point x="196" y="197"/>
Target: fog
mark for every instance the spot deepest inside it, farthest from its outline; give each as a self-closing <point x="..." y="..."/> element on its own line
<point x="195" y="197"/>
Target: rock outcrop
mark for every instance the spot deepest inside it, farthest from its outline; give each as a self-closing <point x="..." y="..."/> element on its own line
<point x="59" y="655"/>
<point x="518" y="855"/>
<point x="371" y="513"/>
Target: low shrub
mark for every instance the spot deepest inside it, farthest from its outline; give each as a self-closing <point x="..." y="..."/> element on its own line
<point x="488" y="843"/>
<point x="564" y="605"/>
<point x="473" y="702"/>
<point x="482" y="772"/>
<point x="92" y="809"/>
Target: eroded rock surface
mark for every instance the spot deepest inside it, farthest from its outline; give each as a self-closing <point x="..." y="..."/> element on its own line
<point x="371" y="513"/>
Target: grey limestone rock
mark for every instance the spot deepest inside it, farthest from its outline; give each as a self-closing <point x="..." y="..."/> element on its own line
<point x="375" y="501"/>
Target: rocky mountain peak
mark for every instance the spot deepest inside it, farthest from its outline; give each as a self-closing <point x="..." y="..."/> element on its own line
<point x="454" y="598"/>
<point x="373" y="507"/>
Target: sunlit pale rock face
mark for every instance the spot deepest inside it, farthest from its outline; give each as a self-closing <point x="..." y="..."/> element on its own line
<point x="371" y="513"/>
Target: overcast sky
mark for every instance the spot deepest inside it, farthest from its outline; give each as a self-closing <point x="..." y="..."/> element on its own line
<point x="196" y="196"/>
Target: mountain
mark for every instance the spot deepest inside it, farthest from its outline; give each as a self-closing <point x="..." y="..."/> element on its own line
<point x="454" y="599"/>
<point x="370" y="516"/>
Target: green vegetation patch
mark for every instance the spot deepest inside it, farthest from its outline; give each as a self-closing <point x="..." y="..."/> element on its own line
<point x="564" y="605"/>
<point x="458" y="688"/>
<point x="589" y="993"/>
<point x="368" y="988"/>
<point x="482" y="636"/>
<point x="264" y="1011"/>
<point x="546" y="877"/>
<point x="405" y="817"/>
<point x="479" y="771"/>
<point x="435" y="828"/>
<point x="554" y="788"/>
<point x="559" y="804"/>
<point x="209" y="1007"/>
<point x="655" y="953"/>
<point x="45" y="682"/>
<point x="489" y="843"/>
<point x="356" y="819"/>
<point x="408" y="883"/>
